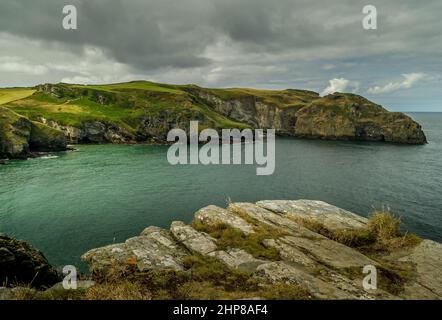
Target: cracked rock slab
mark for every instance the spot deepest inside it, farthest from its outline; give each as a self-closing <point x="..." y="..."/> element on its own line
<point x="271" y="219"/>
<point x="284" y="272"/>
<point x="427" y="258"/>
<point x="329" y="252"/>
<point x="152" y="250"/>
<point x="290" y="253"/>
<point x="237" y="259"/>
<point x="212" y="215"/>
<point x="331" y="216"/>
<point x="193" y="240"/>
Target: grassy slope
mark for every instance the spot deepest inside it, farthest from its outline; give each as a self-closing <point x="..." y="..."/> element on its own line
<point x="126" y="103"/>
<point x="11" y="94"/>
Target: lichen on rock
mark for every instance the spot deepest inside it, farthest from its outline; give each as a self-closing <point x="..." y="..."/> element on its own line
<point x="325" y="268"/>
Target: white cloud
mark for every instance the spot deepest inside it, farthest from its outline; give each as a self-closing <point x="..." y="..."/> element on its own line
<point x="18" y="65"/>
<point x="329" y="66"/>
<point x="409" y="79"/>
<point x="340" y="85"/>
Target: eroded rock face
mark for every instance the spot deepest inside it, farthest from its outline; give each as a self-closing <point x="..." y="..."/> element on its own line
<point x="91" y="132"/>
<point x="20" y="137"/>
<point x="306" y="258"/>
<point x="338" y="116"/>
<point x="21" y="264"/>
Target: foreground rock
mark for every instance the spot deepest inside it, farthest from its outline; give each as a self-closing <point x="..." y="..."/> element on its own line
<point x="325" y="268"/>
<point x="20" y="264"/>
<point x="333" y="217"/>
<point x="153" y="249"/>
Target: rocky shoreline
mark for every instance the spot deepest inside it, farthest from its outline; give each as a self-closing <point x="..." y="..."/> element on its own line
<point x="298" y="249"/>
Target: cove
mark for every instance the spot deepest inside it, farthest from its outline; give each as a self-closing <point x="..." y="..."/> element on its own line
<point x="102" y="194"/>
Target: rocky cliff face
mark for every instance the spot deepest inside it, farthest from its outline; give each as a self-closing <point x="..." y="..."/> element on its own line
<point x="337" y="116"/>
<point x="20" y="137"/>
<point x="293" y="252"/>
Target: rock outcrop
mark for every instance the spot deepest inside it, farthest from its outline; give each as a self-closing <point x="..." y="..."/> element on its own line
<point x="304" y="114"/>
<point x="20" y="137"/>
<point x="21" y="264"/>
<point x="326" y="268"/>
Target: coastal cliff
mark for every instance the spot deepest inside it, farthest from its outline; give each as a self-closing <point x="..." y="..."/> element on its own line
<point x="144" y="112"/>
<point x="300" y="249"/>
<point x="21" y="138"/>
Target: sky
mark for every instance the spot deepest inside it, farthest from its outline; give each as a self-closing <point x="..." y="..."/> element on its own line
<point x="318" y="45"/>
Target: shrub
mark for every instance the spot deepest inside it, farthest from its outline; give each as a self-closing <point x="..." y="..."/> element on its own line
<point x="384" y="225"/>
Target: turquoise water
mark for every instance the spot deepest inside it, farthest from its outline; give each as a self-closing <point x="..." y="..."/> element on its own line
<point x="101" y="194"/>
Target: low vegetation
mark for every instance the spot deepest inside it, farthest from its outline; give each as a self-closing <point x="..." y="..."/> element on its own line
<point x="203" y="278"/>
<point x="11" y="94"/>
<point x="381" y="237"/>
<point x="228" y="237"/>
<point x="382" y="234"/>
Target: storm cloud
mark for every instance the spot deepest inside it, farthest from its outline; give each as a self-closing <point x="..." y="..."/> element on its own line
<point x="271" y="44"/>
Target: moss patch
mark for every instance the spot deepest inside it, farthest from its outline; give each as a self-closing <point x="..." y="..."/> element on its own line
<point x="228" y="237"/>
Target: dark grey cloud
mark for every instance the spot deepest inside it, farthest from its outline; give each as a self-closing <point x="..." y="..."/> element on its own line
<point x="281" y="43"/>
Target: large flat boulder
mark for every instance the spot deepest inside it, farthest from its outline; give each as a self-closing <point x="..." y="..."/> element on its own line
<point x="271" y="219"/>
<point x="193" y="240"/>
<point x="332" y="217"/>
<point x="329" y="252"/>
<point x="212" y="215"/>
<point x="154" y="249"/>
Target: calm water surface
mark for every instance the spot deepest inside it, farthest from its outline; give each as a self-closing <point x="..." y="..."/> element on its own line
<point x="101" y="194"/>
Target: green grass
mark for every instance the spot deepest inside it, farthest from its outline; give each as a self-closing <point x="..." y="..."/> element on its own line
<point x="279" y="98"/>
<point x="228" y="237"/>
<point x="11" y="94"/>
<point x="124" y="105"/>
<point x="135" y="85"/>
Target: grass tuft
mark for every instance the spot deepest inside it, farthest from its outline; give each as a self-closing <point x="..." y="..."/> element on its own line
<point x="228" y="237"/>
